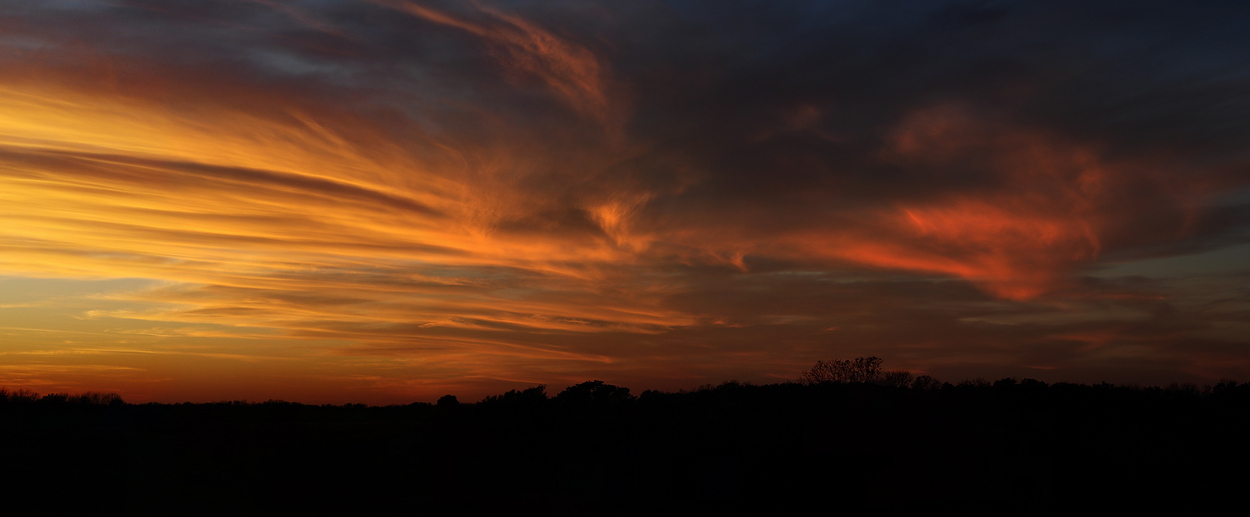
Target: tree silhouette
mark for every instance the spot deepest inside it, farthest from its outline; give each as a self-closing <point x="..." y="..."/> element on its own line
<point x="594" y="392"/>
<point x="925" y="382"/>
<point x="860" y="369"/>
<point x="530" y="396"/>
<point x="896" y="379"/>
<point x="448" y="404"/>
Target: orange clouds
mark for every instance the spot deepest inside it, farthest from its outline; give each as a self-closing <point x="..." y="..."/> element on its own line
<point x="295" y="224"/>
<point x="1012" y="254"/>
<point x="410" y="198"/>
<point x="1037" y="214"/>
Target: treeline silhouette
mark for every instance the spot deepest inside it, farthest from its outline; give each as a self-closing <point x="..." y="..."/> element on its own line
<point x="30" y="397"/>
<point x="862" y="443"/>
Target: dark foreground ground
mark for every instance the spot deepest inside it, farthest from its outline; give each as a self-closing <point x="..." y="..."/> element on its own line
<point x="1011" y="448"/>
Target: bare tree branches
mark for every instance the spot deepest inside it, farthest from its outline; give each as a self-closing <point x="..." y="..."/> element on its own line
<point x="860" y="369"/>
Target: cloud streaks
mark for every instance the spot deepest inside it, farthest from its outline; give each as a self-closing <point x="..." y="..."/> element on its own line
<point x="387" y="200"/>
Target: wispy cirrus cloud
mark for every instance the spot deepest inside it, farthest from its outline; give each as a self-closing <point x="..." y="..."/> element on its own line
<point x="400" y="199"/>
<point x="579" y="77"/>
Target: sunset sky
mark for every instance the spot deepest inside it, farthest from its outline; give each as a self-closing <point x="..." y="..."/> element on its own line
<point x="386" y="201"/>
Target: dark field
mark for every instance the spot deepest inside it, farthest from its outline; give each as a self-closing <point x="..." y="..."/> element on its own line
<point x="1007" y="448"/>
